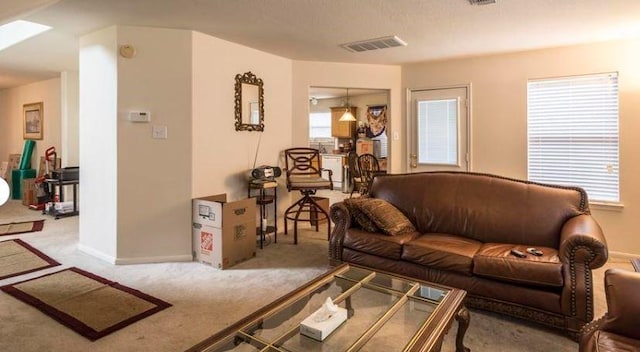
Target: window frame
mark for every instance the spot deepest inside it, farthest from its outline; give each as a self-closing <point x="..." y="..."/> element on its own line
<point x="612" y="158"/>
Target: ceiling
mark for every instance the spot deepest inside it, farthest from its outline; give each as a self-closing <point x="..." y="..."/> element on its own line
<point x="313" y="29"/>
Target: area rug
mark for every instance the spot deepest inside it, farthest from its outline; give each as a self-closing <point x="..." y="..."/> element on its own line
<point x="13" y="228"/>
<point x="18" y="257"/>
<point x="88" y="304"/>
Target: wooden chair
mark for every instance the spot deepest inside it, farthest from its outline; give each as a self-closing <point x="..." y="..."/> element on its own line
<point x="304" y="174"/>
<point x="369" y="167"/>
<point x="354" y="171"/>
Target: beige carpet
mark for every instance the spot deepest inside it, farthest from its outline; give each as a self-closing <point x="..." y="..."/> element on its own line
<point x="205" y="300"/>
<point x="18" y="258"/>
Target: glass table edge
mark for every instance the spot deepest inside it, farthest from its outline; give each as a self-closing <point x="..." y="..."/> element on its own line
<point x="445" y="309"/>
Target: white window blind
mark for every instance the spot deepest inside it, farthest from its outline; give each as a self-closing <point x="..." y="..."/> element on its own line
<point x="573" y="133"/>
<point x="320" y="125"/>
<point x="438" y="132"/>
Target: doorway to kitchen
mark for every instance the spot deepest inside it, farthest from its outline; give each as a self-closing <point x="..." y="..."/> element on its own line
<point x="335" y="138"/>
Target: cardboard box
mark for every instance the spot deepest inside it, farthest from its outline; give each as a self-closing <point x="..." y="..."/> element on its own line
<point x="224" y="233"/>
<point x="209" y="211"/>
<point x="364" y="146"/>
<point x="224" y="248"/>
<point x="12" y="164"/>
<point x="324" y="204"/>
<point x="29" y="191"/>
<point x="4" y="169"/>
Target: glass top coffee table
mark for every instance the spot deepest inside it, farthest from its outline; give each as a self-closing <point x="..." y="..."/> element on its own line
<point x="385" y="312"/>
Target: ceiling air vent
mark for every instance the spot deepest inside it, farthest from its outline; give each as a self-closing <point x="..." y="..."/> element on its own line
<point x="374" y="44"/>
<point x="482" y="2"/>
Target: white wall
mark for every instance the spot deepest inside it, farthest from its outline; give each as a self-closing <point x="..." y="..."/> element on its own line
<point x="499" y="114"/>
<point x="98" y="141"/>
<point x="221" y="155"/>
<point x="135" y="191"/>
<point x="325" y="74"/>
<point x="154" y="175"/>
<point x="70" y="103"/>
<point x="11" y="130"/>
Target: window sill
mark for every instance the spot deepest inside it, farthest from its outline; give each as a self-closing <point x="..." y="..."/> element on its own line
<point x="606" y="206"/>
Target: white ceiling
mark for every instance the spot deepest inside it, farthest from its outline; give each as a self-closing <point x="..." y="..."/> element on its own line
<point x="313" y="29"/>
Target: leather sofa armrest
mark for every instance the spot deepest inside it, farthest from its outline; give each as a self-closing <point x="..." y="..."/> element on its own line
<point x="342" y="219"/>
<point x="582" y="241"/>
<point x="587" y="341"/>
<point x="623" y="303"/>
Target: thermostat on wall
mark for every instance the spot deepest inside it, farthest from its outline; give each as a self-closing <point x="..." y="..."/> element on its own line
<point x="139" y="116"/>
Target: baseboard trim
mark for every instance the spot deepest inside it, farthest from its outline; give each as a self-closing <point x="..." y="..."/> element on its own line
<point x="160" y="259"/>
<point x="622" y="255"/>
<point x="125" y="261"/>
<point x="96" y="253"/>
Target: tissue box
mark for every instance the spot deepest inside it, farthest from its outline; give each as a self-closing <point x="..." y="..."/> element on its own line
<point x="320" y="330"/>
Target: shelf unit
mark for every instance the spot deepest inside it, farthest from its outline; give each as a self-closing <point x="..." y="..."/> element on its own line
<point x="267" y="193"/>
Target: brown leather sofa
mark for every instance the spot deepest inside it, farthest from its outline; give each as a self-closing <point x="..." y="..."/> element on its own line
<point x="466" y="225"/>
<point x="618" y="329"/>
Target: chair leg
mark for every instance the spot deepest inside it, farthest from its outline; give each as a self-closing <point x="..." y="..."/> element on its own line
<point x="317" y="207"/>
<point x="295" y="222"/>
<point x="306" y="204"/>
<point x="286" y="212"/>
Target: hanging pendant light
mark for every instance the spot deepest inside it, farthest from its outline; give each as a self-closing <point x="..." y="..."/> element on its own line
<point x="347" y="116"/>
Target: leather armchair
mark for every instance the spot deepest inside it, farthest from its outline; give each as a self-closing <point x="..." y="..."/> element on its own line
<point x="618" y="329"/>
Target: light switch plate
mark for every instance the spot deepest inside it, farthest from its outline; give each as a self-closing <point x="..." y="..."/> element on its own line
<point x="159" y="132"/>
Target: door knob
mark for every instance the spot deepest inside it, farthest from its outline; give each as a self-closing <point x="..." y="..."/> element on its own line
<point x="413" y="158"/>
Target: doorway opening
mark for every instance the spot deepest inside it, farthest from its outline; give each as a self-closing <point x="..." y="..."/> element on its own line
<point x="334" y="138"/>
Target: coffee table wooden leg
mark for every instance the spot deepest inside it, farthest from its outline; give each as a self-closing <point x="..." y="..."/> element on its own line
<point x="463" y="323"/>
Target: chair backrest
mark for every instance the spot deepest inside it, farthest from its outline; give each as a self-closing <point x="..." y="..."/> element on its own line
<point x="352" y="161"/>
<point x="368" y="166"/>
<point x="302" y="162"/>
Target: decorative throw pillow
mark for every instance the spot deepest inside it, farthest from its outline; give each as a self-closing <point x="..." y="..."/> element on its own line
<point x="361" y="218"/>
<point x="387" y="217"/>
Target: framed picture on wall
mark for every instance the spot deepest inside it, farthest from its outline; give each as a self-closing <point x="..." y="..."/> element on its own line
<point x="33" y="120"/>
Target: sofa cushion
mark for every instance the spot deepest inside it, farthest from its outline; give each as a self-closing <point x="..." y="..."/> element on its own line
<point x="387" y="217"/>
<point x="442" y="251"/>
<point x="359" y="216"/>
<point x="494" y="260"/>
<point x="486" y="208"/>
<point x="377" y="243"/>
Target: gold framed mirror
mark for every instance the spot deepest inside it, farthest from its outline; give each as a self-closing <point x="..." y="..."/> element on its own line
<point x="249" y="99"/>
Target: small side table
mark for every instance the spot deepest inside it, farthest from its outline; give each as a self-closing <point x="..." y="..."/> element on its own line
<point x="267" y="194"/>
<point x="53" y="183"/>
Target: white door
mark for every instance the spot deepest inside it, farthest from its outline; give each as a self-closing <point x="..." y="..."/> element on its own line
<point x="438" y="130"/>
